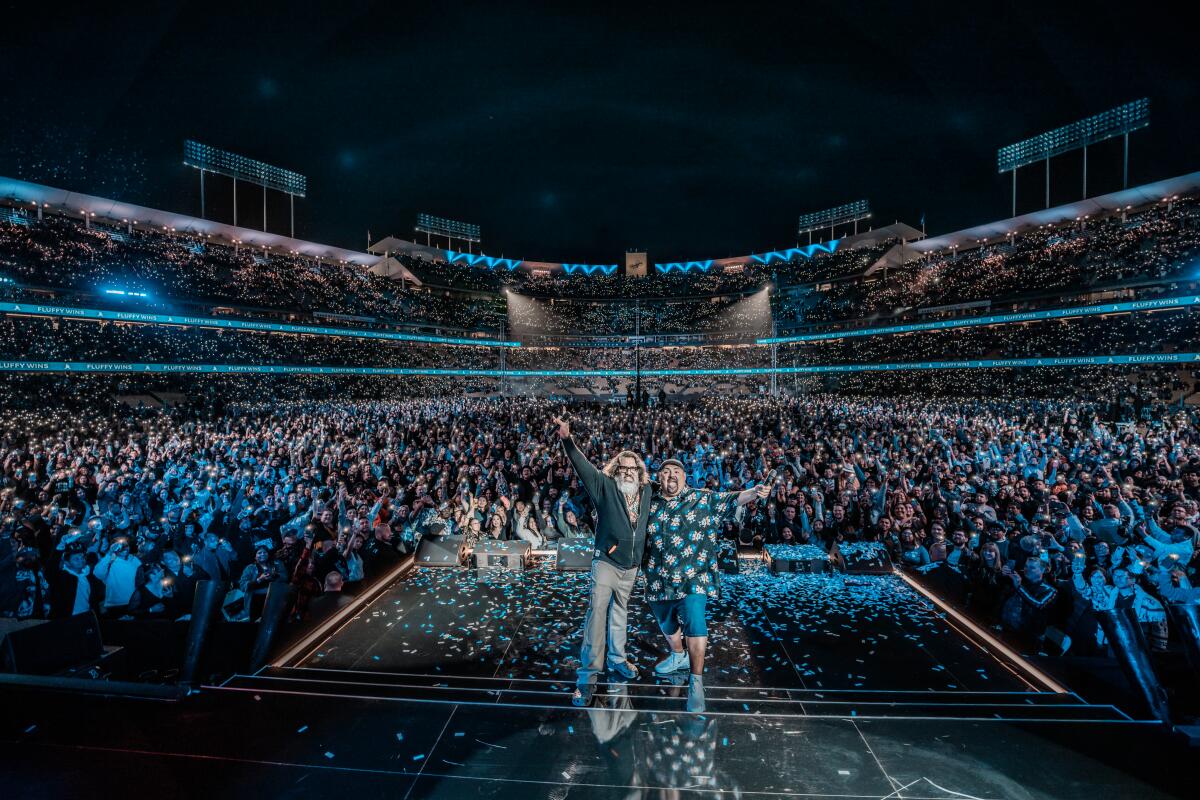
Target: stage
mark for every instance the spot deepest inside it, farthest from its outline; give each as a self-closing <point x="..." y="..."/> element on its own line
<point x="454" y="683"/>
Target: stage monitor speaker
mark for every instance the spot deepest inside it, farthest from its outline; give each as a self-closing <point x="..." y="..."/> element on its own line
<point x="500" y="554"/>
<point x="53" y="646"/>
<point x="574" y="555"/>
<point x="808" y="565"/>
<point x="796" y="558"/>
<point x="441" y="551"/>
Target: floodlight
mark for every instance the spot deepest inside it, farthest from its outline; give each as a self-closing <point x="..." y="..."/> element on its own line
<point x="441" y="226"/>
<point x="223" y="162"/>
<point x="850" y="212"/>
<point x="1114" y="122"/>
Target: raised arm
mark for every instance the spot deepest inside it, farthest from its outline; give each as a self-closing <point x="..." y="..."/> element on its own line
<point x="588" y="474"/>
<point x="760" y="492"/>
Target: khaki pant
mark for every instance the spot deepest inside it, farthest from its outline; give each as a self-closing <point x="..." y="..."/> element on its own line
<point x="606" y="621"/>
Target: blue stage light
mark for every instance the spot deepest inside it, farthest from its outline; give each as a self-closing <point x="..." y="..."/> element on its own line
<point x="685" y="266"/>
<point x="804" y="252"/>
<point x="475" y="259"/>
<point x="590" y="269"/>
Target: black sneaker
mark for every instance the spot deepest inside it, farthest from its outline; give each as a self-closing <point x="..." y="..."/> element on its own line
<point x="582" y="698"/>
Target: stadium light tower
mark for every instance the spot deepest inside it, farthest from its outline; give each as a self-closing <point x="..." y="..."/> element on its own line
<point x="222" y="162"/>
<point x="452" y="229"/>
<point x="831" y="217"/>
<point x="1119" y="121"/>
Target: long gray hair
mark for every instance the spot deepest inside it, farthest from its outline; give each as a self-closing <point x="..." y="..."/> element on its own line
<point x="610" y="469"/>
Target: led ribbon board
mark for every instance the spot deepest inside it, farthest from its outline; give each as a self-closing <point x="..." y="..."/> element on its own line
<point x="94" y="314"/>
<point x="1114" y="122"/>
<point x="685" y="266"/>
<point x="266" y="369"/>
<point x="995" y="319"/>
<point x="475" y="259"/>
<point x="223" y="162"/>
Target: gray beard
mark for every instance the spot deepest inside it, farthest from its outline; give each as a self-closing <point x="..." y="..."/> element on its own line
<point x="628" y="488"/>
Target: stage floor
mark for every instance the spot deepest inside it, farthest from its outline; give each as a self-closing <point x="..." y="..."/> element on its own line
<point x="455" y="684"/>
<point x="866" y="632"/>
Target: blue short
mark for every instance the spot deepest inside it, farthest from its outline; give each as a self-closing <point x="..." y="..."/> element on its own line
<point x="689" y="611"/>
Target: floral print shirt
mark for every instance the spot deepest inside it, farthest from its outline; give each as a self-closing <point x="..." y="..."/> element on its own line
<point x="682" y="543"/>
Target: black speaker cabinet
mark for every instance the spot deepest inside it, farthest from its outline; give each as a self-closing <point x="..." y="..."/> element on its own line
<point x="574" y="555"/>
<point x="53" y="646"/>
<point x="441" y="551"/>
<point x="500" y="554"/>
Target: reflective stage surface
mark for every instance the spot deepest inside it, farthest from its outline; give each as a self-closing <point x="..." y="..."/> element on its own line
<point x="804" y="631"/>
<point x="454" y="684"/>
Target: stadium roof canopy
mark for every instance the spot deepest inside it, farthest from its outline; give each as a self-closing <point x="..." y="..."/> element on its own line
<point x="114" y="212"/>
<point x="992" y="232"/>
<point x="1103" y="205"/>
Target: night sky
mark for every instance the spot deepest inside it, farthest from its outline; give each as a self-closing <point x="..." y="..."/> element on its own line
<point x="691" y="130"/>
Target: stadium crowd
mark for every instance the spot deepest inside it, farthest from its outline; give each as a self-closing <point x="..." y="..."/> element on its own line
<point x="1153" y="244"/>
<point x="718" y="314"/>
<point x="31" y="338"/>
<point x="43" y="339"/>
<point x="120" y="510"/>
<point x="60" y="258"/>
<point x="62" y="254"/>
<point x="1034" y="495"/>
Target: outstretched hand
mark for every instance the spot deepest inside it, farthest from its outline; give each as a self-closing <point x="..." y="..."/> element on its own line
<point x="763" y="490"/>
<point x="562" y="428"/>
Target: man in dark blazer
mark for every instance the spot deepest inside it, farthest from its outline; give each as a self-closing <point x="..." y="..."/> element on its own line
<point x="621" y="495"/>
<point x="73" y="587"/>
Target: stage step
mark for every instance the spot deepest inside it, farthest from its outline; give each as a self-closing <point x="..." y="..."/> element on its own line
<point x="646" y="685"/>
<point x="669" y="698"/>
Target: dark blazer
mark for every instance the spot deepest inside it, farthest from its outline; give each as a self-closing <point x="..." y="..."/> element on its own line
<point x="617" y="542"/>
<point x="63" y="586"/>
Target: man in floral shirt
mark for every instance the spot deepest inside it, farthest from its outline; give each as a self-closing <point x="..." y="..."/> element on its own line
<point x="681" y="566"/>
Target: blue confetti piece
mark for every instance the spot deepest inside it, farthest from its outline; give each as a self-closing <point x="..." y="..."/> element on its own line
<point x="399" y="737"/>
<point x="418" y="756"/>
<point x="328" y="754"/>
<point x="459" y="733"/>
<point x="570" y="729"/>
<point x="302" y="729"/>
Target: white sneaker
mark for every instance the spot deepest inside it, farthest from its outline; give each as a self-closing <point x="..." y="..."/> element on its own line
<point x="673" y="663"/>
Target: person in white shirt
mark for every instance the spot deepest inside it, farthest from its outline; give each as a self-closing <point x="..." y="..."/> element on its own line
<point x="118" y="570"/>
